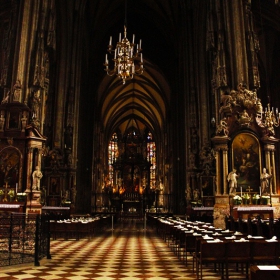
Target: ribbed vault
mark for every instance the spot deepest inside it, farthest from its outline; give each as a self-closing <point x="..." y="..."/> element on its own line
<point x="140" y="103"/>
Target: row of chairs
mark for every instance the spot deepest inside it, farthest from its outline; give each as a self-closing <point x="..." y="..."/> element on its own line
<point x="226" y="252"/>
<point x="186" y="243"/>
<point x="255" y="226"/>
<point x="75" y="229"/>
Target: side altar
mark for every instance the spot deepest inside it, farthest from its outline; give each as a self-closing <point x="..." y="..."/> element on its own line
<point x="244" y="146"/>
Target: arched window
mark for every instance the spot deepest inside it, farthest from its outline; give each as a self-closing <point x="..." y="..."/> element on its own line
<point x="112" y="156"/>
<point x="151" y="157"/>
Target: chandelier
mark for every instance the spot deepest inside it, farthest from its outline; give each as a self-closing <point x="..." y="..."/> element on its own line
<point x="270" y="119"/>
<point x="125" y="55"/>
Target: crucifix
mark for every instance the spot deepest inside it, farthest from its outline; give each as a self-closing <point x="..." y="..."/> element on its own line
<point x="249" y="189"/>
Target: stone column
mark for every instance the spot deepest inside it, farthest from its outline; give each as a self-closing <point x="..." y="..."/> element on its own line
<point x="221" y="147"/>
<point x="218" y="178"/>
<point x="225" y="169"/>
<point x="269" y="148"/>
<point x="273" y="187"/>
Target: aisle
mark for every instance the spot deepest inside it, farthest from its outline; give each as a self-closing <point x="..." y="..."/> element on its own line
<point x="127" y="252"/>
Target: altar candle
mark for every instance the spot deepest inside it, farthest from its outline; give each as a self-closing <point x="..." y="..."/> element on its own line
<point x="16" y="187"/>
<point x="260" y="191"/>
<point x="241" y="190"/>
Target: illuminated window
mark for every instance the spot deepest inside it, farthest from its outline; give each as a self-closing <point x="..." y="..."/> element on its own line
<point x="112" y="156"/>
<point x="151" y="157"/>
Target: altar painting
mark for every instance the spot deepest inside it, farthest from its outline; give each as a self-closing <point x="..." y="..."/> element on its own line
<point x="207" y="185"/>
<point x="246" y="159"/>
<point x="9" y="167"/>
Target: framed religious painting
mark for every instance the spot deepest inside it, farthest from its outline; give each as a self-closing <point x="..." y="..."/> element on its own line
<point x="55" y="185"/>
<point x="207" y="186"/>
<point x="246" y="160"/>
<point x="13" y="122"/>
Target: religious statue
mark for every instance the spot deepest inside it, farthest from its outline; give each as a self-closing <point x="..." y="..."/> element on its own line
<point x="196" y="194"/>
<point x="35" y="105"/>
<point x="17" y="91"/>
<point x="188" y="193"/>
<point x="222" y="128"/>
<point x="265" y="182"/>
<point x="36" y="176"/>
<point x="244" y="118"/>
<point x="232" y="179"/>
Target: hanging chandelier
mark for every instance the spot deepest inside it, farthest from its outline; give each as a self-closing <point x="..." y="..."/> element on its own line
<point x="125" y="55"/>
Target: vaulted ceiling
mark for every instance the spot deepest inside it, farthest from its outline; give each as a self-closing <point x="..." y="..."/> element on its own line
<point x="140" y="103"/>
<point x="144" y="101"/>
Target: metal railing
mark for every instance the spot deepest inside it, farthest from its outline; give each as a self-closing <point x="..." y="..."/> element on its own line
<point x="24" y="238"/>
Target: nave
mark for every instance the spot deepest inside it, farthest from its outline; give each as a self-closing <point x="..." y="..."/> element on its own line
<point x="127" y="252"/>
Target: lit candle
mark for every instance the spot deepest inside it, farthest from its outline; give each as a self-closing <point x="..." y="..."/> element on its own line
<point x="110" y="42"/>
<point x="133" y="37"/>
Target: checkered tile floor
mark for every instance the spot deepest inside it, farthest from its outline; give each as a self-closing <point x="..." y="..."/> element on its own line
<point x="127" y="252"/>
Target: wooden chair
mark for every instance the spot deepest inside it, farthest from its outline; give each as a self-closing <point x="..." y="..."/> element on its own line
<point x="210" y="252"/>
<point x="190" y="245"/>
<point x="264" y="252"/>
<point x="238" y="252"/>
<point x="196" y="252"/>
<point x="181" y="243"/>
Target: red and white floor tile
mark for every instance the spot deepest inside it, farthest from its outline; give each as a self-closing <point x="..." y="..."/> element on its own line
<point x="124" y="253"/>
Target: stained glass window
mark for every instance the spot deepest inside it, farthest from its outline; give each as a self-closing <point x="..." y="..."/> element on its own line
<point x="151" y="157"/>
<point x="112" y="156"/>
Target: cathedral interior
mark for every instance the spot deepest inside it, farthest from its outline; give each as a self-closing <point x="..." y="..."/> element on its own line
<point x="139" y="104"/>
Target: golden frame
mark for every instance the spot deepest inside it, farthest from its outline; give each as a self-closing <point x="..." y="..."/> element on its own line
<point x="246" y="160"/>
